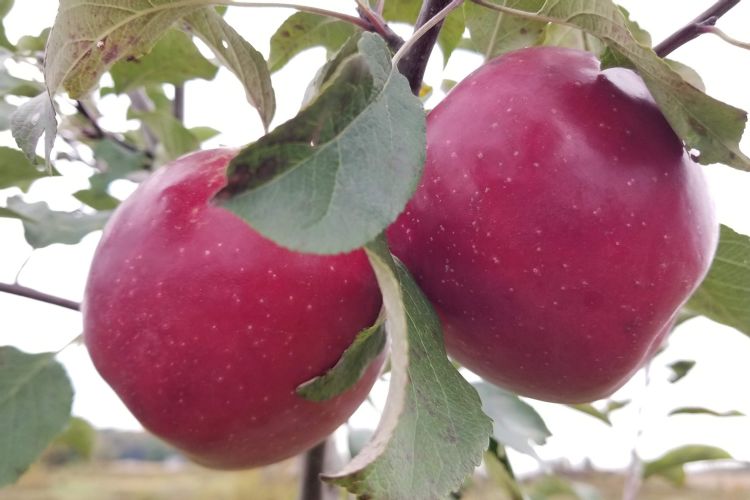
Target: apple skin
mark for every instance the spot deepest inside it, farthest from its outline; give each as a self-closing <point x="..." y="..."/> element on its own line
<point x="559" y="225"/>
<point x="205" y="329"/>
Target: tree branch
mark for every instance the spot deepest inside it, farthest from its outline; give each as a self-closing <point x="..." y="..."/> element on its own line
<point x="413" y="64"/>
<point x="695" y="27"/>
<point x="97" y="132"/>
<point x="30" y="293"/>
<point x="311" y="487"/>
<point x="178" y="105"/>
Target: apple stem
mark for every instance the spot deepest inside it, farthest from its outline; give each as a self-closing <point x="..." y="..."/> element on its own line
<point x="694" y="28"/>
<point x="30" y="293"/>
<point x="412" y="57"/>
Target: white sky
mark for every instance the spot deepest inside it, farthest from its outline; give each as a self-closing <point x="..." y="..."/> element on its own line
<point x="718" y="381"/>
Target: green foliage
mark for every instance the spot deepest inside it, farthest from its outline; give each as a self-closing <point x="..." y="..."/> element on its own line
<point x="16" y="170"/>
<point x="239" y="57"/>
<point x="432" y="419"/>
<point x="341" y="171"/>
<point x="670" y="465"/>
<point x="694" y="410"/>
<point x="302" y="31"/>
<point x="494" y="33"/>
<point x="35" y="118"/>
<point x="35" y="401"/>
<point x="600" y="414"/>
<point x="174" y="59"/>
<point x="349" y="369"/>
<point x="43" y="226"/>
<point x="724" y="296"/>
<point x="680" y="369"/>
<point x="515" y="422"/>
<point x="78" y="437"/>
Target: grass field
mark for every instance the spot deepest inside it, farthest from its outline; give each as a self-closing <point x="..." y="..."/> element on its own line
<point x="149" y="481"/>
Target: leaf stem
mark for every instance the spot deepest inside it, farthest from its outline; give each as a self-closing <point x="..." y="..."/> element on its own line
<point x="302" y="8"/>
<point x="30" y="293"/>
<point x="716" y="31"/>
<point x="424" y="28"/>
<point x="533" y="16"/>
<point x="695" y="27"/>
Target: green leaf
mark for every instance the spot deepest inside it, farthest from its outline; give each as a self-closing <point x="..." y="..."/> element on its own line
<point x="559" y="487"/>
<point x="407" y="11"/>
<point x="16" y="170"/>
<point x="79" y="436"/>
<point x="32" y="44"/>
<point x="349" y="369"/>
<point x="724" y="295"/>
<point x="98" y="200"/>
<point x="432" y="419"/>
<point x="592" y="411"/>
<point x="561" y="35"/>
<point x="687" y="73"/>
<point x="239" y="57"/>
<point x="6" y="111"/>
<point x="704" y="123"/>
<point x="494" y="33"/>
<point x="336" y="175"/>
<point x="204" y="133"/>
<point x="32" y="119"/>
<point x="43" y="227"/>
<point x="451" y="33"/>
<point x="695" y="410"/>
<point x="5" y="6"/>
<point x="89" y="37"/>
<point x="35" y="401"/>
<point x="174" y="59"/>
<point x="172" y="134"/>
<point x="302" y="31"/>
<point x="680" y="369"/>
<point x="670" y="464"/>
<point x="11" y="85"/>
<point x="515" y="422"/>
<point x="498" y="469"/>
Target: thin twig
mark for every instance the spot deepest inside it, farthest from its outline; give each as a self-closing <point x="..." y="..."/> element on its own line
<point x="379" y="26"/>
<point x="302" y="8"/>
<point x="97" y="132"/>
<point x="30" y="293"/>
<point x="532" y="16"/>
<point x="140" y="102"/>
<point x="178" y="104"/>
<point x="716" y="31"/>
<point x="422" y="30"/>
<point x="695" y="27"/>
<point x="311" y="487"/>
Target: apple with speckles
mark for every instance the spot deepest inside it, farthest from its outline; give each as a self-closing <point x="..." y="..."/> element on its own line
<point x="559" y="226"/>
<point x="205" y="329"/>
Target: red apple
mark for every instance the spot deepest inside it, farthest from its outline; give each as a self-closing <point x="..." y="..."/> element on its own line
<point x="559" y="226"/>
<point x="205" y="329"/>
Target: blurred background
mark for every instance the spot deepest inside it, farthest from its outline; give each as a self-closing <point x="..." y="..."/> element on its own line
<point x="106" y="454"/>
